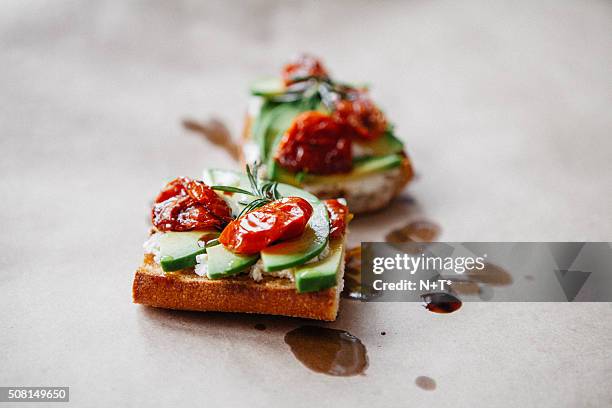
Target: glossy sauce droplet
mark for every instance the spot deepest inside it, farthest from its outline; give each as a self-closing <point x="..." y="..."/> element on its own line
<point x="260" y="326"/>
<point x="328" y="351"/>
<point x="352" y="277"/>
<point x="426" y="383"/>
<point x="352" y="274"/>
<point x="441" y="302"/>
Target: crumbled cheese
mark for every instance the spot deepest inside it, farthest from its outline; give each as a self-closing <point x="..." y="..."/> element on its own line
<point x="201" y="267"/>
<point x="381" y="183"/>
<point x="285" y="273"/>
<point x="152" y="245"/>
<point x="257" y="272"/>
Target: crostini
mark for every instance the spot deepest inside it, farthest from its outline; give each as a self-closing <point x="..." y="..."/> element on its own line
<point x="325" y="136"/>
<point x="235" y="243"/>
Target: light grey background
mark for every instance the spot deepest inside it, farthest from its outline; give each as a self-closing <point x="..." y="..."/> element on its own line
<point x="505" y="108"/>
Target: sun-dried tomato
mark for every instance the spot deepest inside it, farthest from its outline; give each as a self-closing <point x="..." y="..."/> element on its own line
<point x="338" y="218"/>
<point x="281" y="219"/>
<point x="305" y="66"/>
<point x="185" y="204"/>
<point x="317" y="144"/>
<point x="361" y="114"/>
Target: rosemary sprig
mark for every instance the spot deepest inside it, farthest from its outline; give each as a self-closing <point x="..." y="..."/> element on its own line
<point x="230" y="189"/>
<point x="264" y="191"/>
<point x="312" y="89"/>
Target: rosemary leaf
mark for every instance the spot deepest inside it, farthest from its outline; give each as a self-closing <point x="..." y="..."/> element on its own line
<point x="231" y="189"/>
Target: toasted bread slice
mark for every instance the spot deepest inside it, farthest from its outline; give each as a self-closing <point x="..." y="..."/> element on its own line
<point x="370" y="193"/>
<point x="276" y="296"/>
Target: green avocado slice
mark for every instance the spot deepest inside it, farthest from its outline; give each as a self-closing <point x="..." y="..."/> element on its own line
<point x="294" y="252"/>
<point x="321" y="274"/>
<point x="286" y="254"/>
<point x="272" y="121"/>
<point x="268" y="87"/>
<point x="178" y="250"/>
<point x="361" y="168"/>
<point x="223" y="263"/>
<point x="311" y="243"/>
<point x="385" y="145"/>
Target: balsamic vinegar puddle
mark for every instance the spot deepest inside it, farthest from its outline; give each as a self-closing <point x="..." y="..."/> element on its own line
<point x="441" y="302"/>
<point x="328" y="351"/>
<point x="426" y="383"/>
<point x="415" y="231"/>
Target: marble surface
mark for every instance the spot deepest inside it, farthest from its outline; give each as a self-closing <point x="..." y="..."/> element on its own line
<point x="505" y="108"/>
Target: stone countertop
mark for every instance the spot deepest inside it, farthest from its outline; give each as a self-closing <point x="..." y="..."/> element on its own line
<point x="505" y="108"/>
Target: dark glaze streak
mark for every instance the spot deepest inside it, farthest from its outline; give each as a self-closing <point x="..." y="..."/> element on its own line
<point x="491" y="274"/>
<point x="328" y="351"/>
<point x="260" y="326"/>
<point x="416" y="231"/>
<point x="216" y="132"/>
<point x="352" y="277"/>
<point x="441" y="302"/>
<point x="352" y="274"/>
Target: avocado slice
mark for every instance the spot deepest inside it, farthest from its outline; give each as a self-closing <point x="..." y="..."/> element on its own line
<point x="272" y="121"/>
<point x="223" y="263"/>
<point x="271" y="87"/>
<point x="361" y="167"/>
<point x="268" y="87"/>
<point x="311" y="243"/>
<point x="284" y="114"/>
<point x="178" y="250"/>
<point x="261" y="126"/>
<point x="383" y="146"/>
<point x="286" y="254"/>
<point x="321" y="274"/>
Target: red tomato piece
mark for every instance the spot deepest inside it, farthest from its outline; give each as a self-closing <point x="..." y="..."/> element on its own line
<point x="360" y="113"/>
<point x="303" y="67"/>
<point x="317" y="144"/>
<point x="338" y="218"/>
<point x="185" y="204"/>
<point x="279" y="220"/>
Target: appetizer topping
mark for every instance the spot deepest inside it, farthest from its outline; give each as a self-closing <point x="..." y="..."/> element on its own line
<point x="278" y="220"/>
<point x="315" y="143"/>
<point x="263" y="192"/>
<point x="304" y="67"/>
<point x="361" y="114"/>
<point x="185" y="204"/>
<point x="338" y="217"/>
